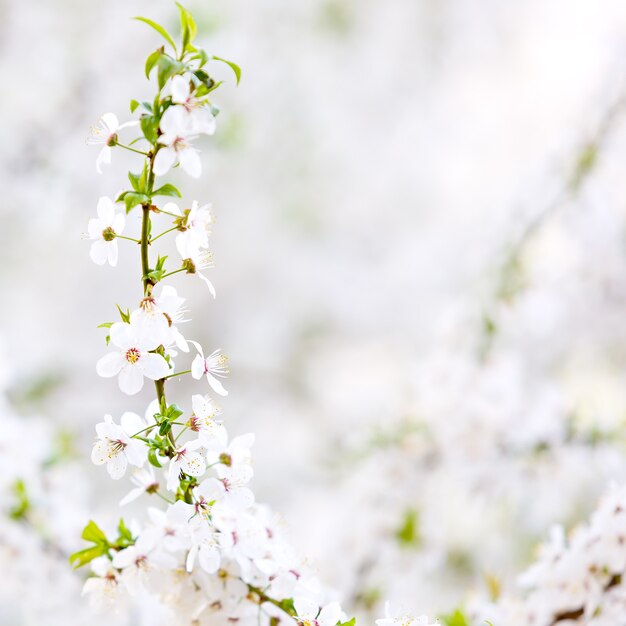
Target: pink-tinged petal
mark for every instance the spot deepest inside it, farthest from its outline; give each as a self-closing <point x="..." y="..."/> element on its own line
<point x="112" y="252"/>
<point x="103" y="158"/>
<point x="110" y="121"/>
<point x="179" y="88"/>
<point x="117" y="466"/>
<point x="110" y="364"/>
<point x="216" y="385"/>
<point x="94" y="228"/>
<point x="193" y="464"/>
<point x="209" y="559"/>
<point x="119" y="222"/>
<point x="163" y="161"/>
<point x="130" y="380"/>
<point x="209" y="284"/>
<point x="106" y="211"/>
<point x="190" y="162"/>
<point x="197" y="367"/>
<point x="99" y="252"/>
<point x="122" y="336"/>
<point x="154" y="366"/>
<point x="101" y="452"/>
<point x="131" y="423"/>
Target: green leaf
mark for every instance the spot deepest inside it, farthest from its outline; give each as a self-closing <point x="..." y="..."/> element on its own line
<point x="105" y="325"/>
<point x="149" y="125"/>
<point x="408" y="533"/>
<point x="167" y="190"/>
<point x="287" y="606"/>
<point x="199" y="55"/>
<point x="455" y="619"/>
<point x="93" y="533"/>
<point x="134" y="181"/>
<point x="166" y="68"/>
<point x="350" y="622"/>
<point x="82" y="557"/>
<point x="233" y="66"/>
<point x="160" y="262"/>
<point x="20" y="509"/>
<point x="159" y="29"/>
<point x="133" y="105"/>
<point x="132" y="199"/>
<point x="187" y="26"/>
<point x="121" y="197"/>
<point x="173" y="412"/>
<point x="164" y="428"/>
<point x="123" y="531"/>
<point x="152" y="60"/>
<point x="152" y="458"/>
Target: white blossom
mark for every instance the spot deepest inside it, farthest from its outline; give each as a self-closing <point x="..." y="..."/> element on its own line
<point x="102" y="230"/>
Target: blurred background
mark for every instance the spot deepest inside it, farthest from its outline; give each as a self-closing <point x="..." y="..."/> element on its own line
<point x="420" y="257"/>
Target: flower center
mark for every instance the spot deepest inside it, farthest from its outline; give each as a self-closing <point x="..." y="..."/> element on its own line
<point x="108" y="234"/>
<point x="179" y="144"/>
<point x="132" y="355"/>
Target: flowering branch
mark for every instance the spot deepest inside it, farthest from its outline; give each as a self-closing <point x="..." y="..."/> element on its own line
<point x="212" y="551"/>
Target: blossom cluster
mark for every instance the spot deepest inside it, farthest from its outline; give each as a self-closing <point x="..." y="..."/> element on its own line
<point x="577" y="578"/>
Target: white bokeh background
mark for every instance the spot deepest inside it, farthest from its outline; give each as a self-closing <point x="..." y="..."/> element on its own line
<point x="371" y="177"/>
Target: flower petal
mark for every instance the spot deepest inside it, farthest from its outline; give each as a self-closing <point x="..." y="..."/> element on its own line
<point x="190" y="162"/>
<point x="117" y="466"/>
<point x="110" y="364"/>
<point x="216" y="385"/>
<point x="101" y="452"/>
<point x="154" y="366"/>
<point x="106" y="211"/>
<point x="112" y="252"/>
<point x="131" y="379"/>
<point x="99" y="252"/>
<point x="179" y="88"/>
<point x="163" y="161"/>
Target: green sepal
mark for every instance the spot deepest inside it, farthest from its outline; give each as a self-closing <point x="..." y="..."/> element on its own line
<point x="124" y="315"/>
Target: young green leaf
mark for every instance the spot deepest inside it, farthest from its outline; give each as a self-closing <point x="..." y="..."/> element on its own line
<point x="233" y="66"/>
<point x="93" y="533"/>
<point x="159" y="29"/>
<point x="132" y="199"/>
<point x="82" y="557"/>
<point x="187" y="26"/>
<point x="152" y="458"/>
<point x="166" y="68"/>
<point x="167" y="190"/>
<point x="149" y="125"/>
<point x="152" y="60"/>
<point x="133" y="105"/>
